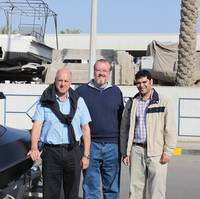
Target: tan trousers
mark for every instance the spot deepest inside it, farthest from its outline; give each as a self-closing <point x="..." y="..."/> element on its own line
<point x="147" y="175"/>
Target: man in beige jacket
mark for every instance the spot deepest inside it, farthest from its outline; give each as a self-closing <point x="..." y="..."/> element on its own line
<point x="147" y="138"/>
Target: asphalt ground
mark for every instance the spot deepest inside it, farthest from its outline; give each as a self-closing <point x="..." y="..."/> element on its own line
<point x="183" y="178"/>
<point x="183" y="175"/>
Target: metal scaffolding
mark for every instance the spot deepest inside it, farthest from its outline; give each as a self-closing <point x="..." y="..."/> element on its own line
<point x="37" y="12"/>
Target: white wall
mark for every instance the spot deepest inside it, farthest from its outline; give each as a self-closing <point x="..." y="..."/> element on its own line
<point x="19" y="106"/>
<point x="116" y="41"/>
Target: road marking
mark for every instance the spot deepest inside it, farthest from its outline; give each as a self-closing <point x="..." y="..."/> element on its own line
<point x="177" y="151"/>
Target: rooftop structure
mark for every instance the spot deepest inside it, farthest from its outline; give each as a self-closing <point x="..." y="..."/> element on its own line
<point x="24" y="45"/>
<point x="32" y="16"/>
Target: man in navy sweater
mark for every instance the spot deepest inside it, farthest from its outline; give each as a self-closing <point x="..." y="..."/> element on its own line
<point x="105" y="104"/>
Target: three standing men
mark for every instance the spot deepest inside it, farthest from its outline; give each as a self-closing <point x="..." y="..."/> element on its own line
<point x="105" y="104"/>
<point x="148" y="137"/>
<point x="60" y="120"/>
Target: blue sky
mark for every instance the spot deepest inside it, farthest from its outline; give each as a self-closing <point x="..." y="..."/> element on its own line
<point x="118" y="16"/>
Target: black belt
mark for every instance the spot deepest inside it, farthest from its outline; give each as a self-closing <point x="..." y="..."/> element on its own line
<point x="144" y="145"/>
<point x="66" y="146"/>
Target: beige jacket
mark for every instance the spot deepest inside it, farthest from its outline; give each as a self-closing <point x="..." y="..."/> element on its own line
<point x="161" y="129"/>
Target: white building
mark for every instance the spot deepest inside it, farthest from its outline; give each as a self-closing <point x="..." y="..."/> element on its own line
<point x="122" y="41"/>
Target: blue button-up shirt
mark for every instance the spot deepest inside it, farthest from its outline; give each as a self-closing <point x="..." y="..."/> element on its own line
<point x="55" y="132"/>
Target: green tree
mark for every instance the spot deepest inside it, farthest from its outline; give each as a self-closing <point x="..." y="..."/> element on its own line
<point x="3" y="30"/>
<point x="70" y="31"/>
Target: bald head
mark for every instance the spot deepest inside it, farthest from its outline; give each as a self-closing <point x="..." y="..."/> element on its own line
<point x="63" y="81"/>
<point x="63" y="70"/>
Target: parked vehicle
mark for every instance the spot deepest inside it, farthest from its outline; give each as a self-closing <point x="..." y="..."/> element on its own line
<point x="16" y="168"/>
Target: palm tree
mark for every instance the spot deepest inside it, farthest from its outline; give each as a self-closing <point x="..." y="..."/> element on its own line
<point x="187" y="43"/>
<point x="3" y="30"/>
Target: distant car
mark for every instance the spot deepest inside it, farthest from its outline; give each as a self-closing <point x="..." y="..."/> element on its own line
<point x="30" y="72"/>
<point x="32" y="66"/>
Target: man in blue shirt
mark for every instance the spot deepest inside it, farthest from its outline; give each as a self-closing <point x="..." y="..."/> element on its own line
<point x="105" y="104"/>
<point x="61" y="119"/>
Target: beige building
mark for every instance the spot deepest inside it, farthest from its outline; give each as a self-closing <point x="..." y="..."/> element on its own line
<point x="122" y="50"/>
<point x="126" y="52"/>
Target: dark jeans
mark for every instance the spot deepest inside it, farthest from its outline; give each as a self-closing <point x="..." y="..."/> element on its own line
<point x="61" y="164"/>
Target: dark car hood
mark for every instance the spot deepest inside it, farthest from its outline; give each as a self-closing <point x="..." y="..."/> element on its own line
<point x="14" y="146"/>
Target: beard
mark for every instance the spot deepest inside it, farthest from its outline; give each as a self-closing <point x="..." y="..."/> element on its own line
<point x="101" y="81"/>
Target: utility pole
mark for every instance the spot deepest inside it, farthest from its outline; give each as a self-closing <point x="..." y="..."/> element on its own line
<point x="93" y="38"/>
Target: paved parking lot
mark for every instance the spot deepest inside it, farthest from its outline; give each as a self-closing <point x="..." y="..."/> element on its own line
<point x="183" y="180"/>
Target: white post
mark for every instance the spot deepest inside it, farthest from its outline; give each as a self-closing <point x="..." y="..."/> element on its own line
<point x="93" y="38"/>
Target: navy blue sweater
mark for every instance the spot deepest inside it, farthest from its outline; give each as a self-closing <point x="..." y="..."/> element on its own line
<point x="105" y="107"/>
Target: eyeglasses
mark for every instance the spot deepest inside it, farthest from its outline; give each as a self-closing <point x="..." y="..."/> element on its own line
<point x="102" y="71"/>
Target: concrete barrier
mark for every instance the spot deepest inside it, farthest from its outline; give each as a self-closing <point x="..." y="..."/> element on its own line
<point x="19" y="106"/>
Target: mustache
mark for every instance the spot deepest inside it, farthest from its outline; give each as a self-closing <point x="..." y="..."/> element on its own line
<point x="101" y="75"/>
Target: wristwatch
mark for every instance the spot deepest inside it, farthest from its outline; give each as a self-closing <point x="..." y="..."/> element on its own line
<point x="86" y="156"/>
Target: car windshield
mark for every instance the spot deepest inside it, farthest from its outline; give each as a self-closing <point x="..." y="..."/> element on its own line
<point x="2" y="130"/>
